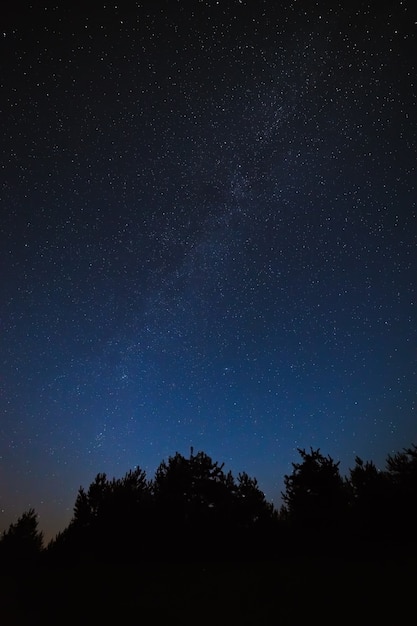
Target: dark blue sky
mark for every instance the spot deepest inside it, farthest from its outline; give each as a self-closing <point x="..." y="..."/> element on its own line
<point x="207" y="238"/>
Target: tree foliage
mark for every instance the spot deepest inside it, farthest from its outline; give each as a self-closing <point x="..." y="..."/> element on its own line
<point x="402" y="475"/>
<point x="22" y="541"/>
<point x="402" y="469"/>
<point x="191" y="509"/>
<point x="194" y="509"/>
<point x="110" y="518"/>
<point x="369" y="499"/>
<point x="315" y="494"/>
<point x="206" y="509"/>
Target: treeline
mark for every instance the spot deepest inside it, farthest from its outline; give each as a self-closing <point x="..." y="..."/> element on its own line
<point x="193" y="510"/>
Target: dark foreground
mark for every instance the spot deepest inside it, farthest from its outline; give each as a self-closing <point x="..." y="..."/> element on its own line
<point x="284" y="593"/>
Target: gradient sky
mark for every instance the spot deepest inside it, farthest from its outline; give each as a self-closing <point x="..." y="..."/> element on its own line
<point x="207" y="238"/>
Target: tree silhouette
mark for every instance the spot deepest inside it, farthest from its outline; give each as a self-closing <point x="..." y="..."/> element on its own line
<point x="402" y="469"/>
<point x="402" y="474"/>
<point x="192" y="499"/>
<point x="253" y="509"/>
<point x="109" y="520"/>
<point x="22" y="541"/>
<point x="316" y="496"/>
<point x="193" y="509"/>
<point x="369" y="493"/>
<point x="203" y="510"/>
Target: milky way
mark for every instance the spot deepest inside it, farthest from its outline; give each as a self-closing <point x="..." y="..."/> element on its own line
<point x="208" y="239"/>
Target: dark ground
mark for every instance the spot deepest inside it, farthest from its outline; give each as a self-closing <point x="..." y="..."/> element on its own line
<point x="283" y="593"/>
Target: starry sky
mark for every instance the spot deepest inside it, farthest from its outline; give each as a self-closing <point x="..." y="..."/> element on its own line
<point x="207" y="238"/>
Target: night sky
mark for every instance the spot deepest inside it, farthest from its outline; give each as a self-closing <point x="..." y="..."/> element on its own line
<point x="207" y="238"/>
